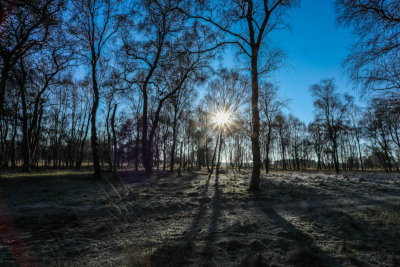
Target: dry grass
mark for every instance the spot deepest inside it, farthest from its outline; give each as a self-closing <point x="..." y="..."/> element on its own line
<point x="169" y="254"/>
<point x="44" y="173"/>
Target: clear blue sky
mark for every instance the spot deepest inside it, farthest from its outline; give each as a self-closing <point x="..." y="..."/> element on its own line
<point x="315" y="48"/>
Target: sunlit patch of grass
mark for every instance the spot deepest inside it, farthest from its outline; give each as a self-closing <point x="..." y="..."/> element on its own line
<point x="44" y="173"/>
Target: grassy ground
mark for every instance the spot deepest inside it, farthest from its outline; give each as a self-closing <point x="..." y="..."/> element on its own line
<point x="298" y="219"/>
<point x="50" y="173"/>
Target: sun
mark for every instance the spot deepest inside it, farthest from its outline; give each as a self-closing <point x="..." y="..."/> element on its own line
<point x="222" y="118"/>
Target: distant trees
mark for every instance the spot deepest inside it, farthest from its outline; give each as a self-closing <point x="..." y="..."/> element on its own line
<point x="355" y="127"/>
<point x="374" y="64"/>
<point x="270" y="106"/>
<point x="129" y="75"/>
<point x="282" y="129"/>
<point x="80" y="106"/>
<point x="382" y="128"/>
<point x="226" y="95"/>
<point x="160" y="62"/>
<point x="317" y="135"/>
<point x="179" y="103"/>
<point x="330" y="110"/>
<point x="298" y="132"/>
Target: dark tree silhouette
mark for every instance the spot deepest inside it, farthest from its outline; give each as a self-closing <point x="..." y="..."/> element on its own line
<point x="24" y="25"/>
<point x="374" y="60"/>
<point x="92" y="25"/>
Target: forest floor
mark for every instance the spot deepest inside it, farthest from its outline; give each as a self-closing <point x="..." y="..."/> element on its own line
<point x="297" y="219"/>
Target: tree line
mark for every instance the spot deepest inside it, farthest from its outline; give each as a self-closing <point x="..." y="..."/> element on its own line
<point x="112" y="83"/>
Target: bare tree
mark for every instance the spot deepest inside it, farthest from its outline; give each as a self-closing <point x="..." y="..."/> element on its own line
<point x="330" y="109"/>
<point x="374" y="60"/>
<point x="179" y="102"/>
<point x="246" y="24"/>
<point x="316" y="131"/>
<point x="24" y="25"/>
<point x="297" y="131"/>
<point x="377" y="130"/>
<point x="226" y="94"/>
<point x="270" y="106"/>
<point x="92" y="24"/>
<point x="356" y="128"/>
<point x="281" y="125"/>
<point x="114" y="141"/>
<point x="112" y="86"/>
<point x="159" y="64"/>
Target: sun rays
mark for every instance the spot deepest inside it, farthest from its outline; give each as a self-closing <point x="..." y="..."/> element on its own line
<point x="222" y="119"/>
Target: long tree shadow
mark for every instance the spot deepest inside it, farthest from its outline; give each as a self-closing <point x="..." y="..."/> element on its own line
<point x="213" y="223"/>
<point x="203" y="218"/>
<point x="348" y="193"/>
<point x="303" y="252"/>
<point x="359" y="233"/>
<point x="177" y="252"/>
<point x="293" y="242"/>
<point x="194" y="227"/>
<point x="324" y="215"/>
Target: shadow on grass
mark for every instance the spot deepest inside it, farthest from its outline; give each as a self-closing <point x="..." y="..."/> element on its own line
<point x="301" y="248"/>
<point x="178" y="252"/>
<point x="213" y="223"/>
<point x="194" y="227"/>
<point x="356" y="234"/>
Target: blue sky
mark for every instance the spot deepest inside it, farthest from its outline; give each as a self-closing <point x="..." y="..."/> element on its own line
<point x="315" y="48"/>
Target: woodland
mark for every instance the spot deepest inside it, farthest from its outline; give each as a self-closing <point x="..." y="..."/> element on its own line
<point x="126" y="141"/>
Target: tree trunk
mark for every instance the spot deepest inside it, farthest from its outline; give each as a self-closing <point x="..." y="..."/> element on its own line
<point x="268" y="148"/>
<point x="25" y="138"/>
<point x="157" y="144"/>
<point x="180" y="160"/>
<point x="165" y="151"/>
<point x="4" y="146"/>
<point x="3" y="82"/>
<point x="12" y="152"/>
<point x="219" y="155"/>
<point x="147" y="156"/>
<point x="207" y="159"/>
<point x="25" y="134"/>
<point x="114" y="137"/>
<point x="79" y="159"/>
<point x="359" y="152"/>
<point x="137" y="145"/>
<point x="93" y="139"/>
<point x="335" y="156"/>
<point x="214" y="153"/>
<point x="174" y="136"/>
<point x="319" y="167"/>
<point x="255" y="134"/>
<point x="109" y="150"/>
